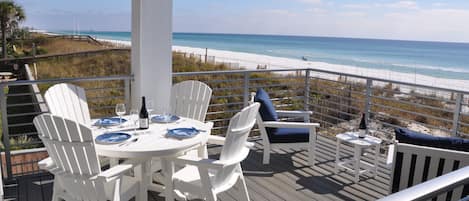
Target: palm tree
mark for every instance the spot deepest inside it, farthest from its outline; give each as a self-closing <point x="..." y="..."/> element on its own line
<point x="11" y="14"/>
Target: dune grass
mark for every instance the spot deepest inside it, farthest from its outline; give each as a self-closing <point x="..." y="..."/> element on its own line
<point x="118" y="63"/>
<point x="46" y="44"/>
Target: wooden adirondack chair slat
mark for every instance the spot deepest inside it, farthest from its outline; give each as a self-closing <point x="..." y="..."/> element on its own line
<point x="71" y="147"/>
<point x="190" y="99"/>
<point x="69" y="101"/>
<point x="431" y="162"/>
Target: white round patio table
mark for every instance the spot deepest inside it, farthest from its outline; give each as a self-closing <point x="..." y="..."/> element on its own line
<point x="153" y="142"/>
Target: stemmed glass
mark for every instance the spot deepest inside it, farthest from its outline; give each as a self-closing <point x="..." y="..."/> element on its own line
<point x="134" y="118"/>
<point x="120" y="110"/>
<point x="150" y="107"/>
<point x="165" y="114"/>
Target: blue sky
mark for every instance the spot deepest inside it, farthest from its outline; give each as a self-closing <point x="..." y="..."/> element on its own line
<point x="435" y="20"/>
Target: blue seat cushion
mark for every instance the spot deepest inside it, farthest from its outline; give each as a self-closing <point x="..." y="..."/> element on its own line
<point x="288" y="135"/>
<point x="416" y="138"/>
<point x="267" y="109"/>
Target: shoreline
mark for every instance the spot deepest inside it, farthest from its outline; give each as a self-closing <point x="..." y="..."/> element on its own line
<point x="251" y="61"/>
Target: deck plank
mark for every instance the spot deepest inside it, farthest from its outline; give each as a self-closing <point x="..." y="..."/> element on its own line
<point x="288" y="177"/>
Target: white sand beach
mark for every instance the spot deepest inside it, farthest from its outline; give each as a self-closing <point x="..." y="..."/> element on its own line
<point x="252" y="61"/>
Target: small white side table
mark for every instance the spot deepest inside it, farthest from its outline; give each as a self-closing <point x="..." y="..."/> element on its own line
<point x="358" y="144"/>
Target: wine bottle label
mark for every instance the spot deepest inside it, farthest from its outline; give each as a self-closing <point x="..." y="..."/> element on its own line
<point x="361" y="133"/>
<point x="143" y="123"/>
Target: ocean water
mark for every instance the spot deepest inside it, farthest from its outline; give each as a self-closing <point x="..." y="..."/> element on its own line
<point x="438" y="59"/>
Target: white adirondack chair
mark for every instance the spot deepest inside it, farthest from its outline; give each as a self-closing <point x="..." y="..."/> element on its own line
<point x="69" y="101"/>
<point x="426" y="163"/>
<point x="205" y="178"/>
<point x="74" y="163"/>
<point x="190" y="99"/>
<point x="308" y="129"/>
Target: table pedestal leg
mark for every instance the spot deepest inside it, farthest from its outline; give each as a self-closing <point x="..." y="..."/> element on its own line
<point x="357" y="163"/>
<point x="168" y="170"/>
<point x="143" y="173"/>
<point x="202" y="151"/>
<point x="312" y="146"/>
<point x="377" y="148"/>
<point x="337" y="156"/>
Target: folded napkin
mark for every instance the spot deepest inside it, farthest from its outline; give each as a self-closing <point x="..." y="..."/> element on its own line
<point x="181" y="133"/>
<point x="110" y="121"/>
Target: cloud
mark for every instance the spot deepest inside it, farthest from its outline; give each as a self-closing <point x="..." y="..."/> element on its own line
<point x="353" y="14"/>
<point x="438" y="4"/>
<point x="408" y="5"/>
<point x="403" y="5"/>
<point x="318" y="11"/>
<point x="358" y="6"/>
<point x="282" y="12"/>
<point x="311" y="1"/>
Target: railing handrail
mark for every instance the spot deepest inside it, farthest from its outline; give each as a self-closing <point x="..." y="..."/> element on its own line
<point x="321" y="71"/>
<point x="433" y="187"/>
<point x="79" y="79"/>
<point x="126" y="77"/>
<point x="249" y="83"/>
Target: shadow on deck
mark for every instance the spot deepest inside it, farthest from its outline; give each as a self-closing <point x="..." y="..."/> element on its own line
<point x="288" y="177"/>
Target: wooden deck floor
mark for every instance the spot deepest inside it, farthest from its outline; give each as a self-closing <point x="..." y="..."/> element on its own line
<point x="288" y="177"/>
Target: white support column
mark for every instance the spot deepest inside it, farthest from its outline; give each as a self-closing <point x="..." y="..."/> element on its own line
<point x="151" y="51"/>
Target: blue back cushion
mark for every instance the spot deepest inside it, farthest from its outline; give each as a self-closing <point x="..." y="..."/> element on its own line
<point x="416" y="138"/>
<point x="267" y="109"/>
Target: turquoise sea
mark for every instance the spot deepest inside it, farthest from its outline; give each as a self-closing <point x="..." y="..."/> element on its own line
<point x="438" y="59"/>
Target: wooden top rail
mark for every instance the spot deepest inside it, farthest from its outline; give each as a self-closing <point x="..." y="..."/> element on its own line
<point x="432" y="187"/>
<point x="48" y="56"/>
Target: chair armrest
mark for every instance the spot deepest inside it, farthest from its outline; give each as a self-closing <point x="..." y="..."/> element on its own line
<point x="297" y="113"/>
<point x="279" y="124"/>
<point x="210" y="163"/>
<point x="199" y="162"/>
<point x="49" y="165"/>
<point x="46" y="164"/>
<point x="209" y="125"/>
<point x="390" y="156"/>
<point x="214" y="139"/>
<point x="116" y="171"/>
<point x="219" y="140"/>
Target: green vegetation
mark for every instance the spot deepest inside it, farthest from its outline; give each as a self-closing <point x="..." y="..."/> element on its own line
<point x="334" y="101"/>
<point x="324" y="98"/>
<point x="11" y="14"/>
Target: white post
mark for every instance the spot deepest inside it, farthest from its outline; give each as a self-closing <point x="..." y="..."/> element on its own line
<point x="151" y="51"/>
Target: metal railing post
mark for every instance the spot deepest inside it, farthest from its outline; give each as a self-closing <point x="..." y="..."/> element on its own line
<point x="246" y="88"/>
<point x="369" y="83"/>
<point x="5" y="135"/>
<point x="456" y="113"/>
<point x="127" y="93"/>
<point x="307" y="90"/>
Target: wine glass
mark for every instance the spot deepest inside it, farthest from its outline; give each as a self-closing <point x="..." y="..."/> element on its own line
<point x="120" y="110"/>
<point x="150" y="107"/>
<point x="166" y="114"/>
<point x="134" y="118"/>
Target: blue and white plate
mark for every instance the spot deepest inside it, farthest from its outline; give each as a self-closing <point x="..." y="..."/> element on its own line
<point x="182" y="133"/>
<point x="112" y="138"/>
<point x="110" y="121"/>
<point x="164" y="118"/>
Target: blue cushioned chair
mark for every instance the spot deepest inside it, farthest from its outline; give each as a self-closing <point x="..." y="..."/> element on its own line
<point x="417" y="157"/>
<point x="274" y="131"/>
<point x="412" y="137"/>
